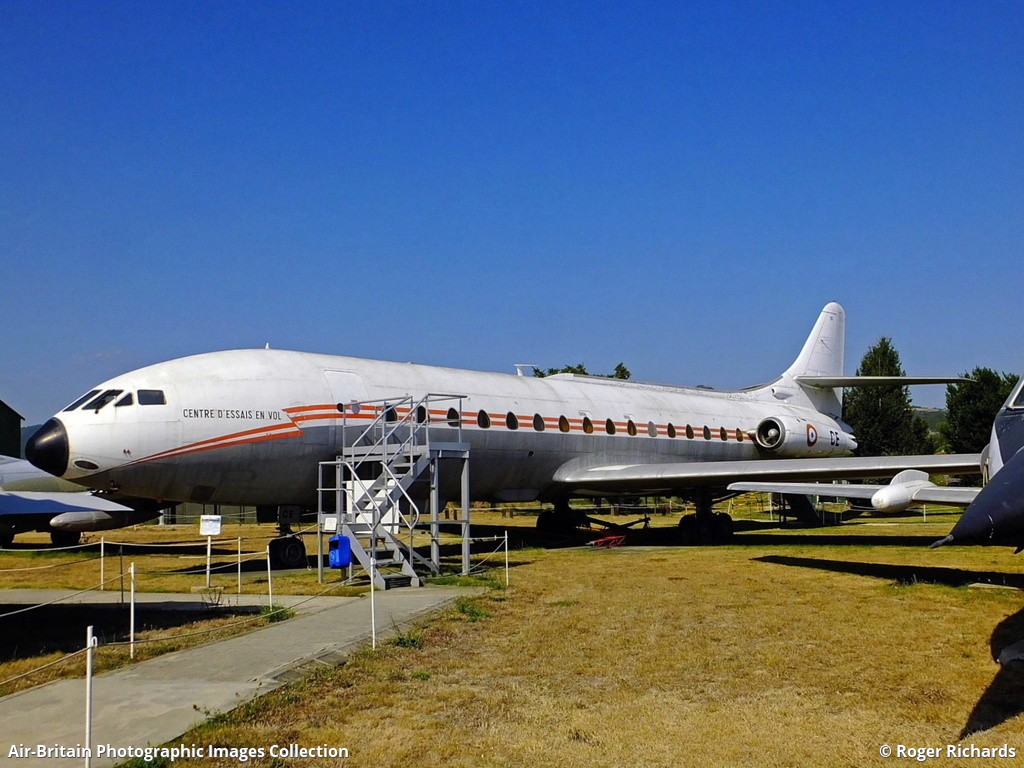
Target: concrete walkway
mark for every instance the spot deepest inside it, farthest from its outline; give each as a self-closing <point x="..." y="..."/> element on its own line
<point x="157" y="700"/>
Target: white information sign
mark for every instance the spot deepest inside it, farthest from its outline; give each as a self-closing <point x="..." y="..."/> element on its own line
<point x="209" y="525"/>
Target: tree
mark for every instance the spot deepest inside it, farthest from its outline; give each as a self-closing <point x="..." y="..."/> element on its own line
<point x="971" y="407"/>
<point x="620" y="372"/>
<point x="882" y="418"/>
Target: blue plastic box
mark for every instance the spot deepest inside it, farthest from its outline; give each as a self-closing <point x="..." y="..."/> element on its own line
<point x="339" y="553"/>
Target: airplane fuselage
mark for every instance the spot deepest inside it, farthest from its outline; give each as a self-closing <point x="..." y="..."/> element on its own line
<point x="249" y="426"/>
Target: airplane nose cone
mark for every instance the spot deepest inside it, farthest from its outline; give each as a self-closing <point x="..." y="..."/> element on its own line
<point x="48" y="448"/>
<point x="997" y="514"/>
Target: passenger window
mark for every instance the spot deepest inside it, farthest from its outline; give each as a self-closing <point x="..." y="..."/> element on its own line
<point x="689" y="432"/>
<point x="511" y="421"/>
<point x="588" y="425"/>
<point x="483" y="420"/>
<point x="609" y="426"/>
<point x="126" y="400"/>
<point x="453" y="418"/>
<point x="87" y="396"/>
<point x="652" y="429"/>
<point x="103" y="399"/>
<point x="739" y="435"/>
<point x="631" y="428"/>
<point x="152" y="397"/>
<point x="707" y="432"/>
<point x="538" y="422"/>
<point x="722" y="433"/>
<point x="671" y="429"/>
<point x="563" y="424"/>
<point x="421" y="414"/>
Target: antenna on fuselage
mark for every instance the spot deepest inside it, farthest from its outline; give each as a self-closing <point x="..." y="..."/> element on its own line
<point x="521" y="366"/>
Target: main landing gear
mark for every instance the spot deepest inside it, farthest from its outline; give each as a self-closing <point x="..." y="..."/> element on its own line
<point x="562" y="520"/>
<point x="705" y="527"/>
<point x="65" y="538"/>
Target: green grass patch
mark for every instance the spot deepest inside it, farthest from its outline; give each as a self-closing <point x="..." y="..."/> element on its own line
<point x="486" y="579"/>
<point x="411" y="638"/>
<point x="471" y="608"/>
<point x="276" y="613"/>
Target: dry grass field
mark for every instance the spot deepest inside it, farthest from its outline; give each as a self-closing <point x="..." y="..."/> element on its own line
<point x="785" y="648"/>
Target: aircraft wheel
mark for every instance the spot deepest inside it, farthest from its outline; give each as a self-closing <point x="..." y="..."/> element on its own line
<point x="65" y="538"/>
<point x="288" y="552"/>
<point x="546" y="521"/>
<point x="688" y="529"/>
<point x="721" y="528"/>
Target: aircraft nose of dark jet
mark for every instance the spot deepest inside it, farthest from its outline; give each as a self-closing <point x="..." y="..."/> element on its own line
<point x="997" y="514"/>
<point x="48" y="448"/>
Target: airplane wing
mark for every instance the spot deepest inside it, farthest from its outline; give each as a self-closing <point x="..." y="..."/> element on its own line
<point x="660" y="478"/>
<point x="54" y="503"/>
<point x="933" y="494"/>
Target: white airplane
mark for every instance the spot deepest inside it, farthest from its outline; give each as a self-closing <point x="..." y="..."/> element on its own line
<point x="250" y="426"/>
<point x="33" y="500"/>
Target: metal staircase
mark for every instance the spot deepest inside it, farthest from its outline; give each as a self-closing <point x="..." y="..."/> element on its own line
<point x="386" y="485"/>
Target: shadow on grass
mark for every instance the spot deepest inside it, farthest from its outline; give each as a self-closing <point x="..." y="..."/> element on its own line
<point x="1004" y="697"/>
<point x="902" y="574"/>
<point x="62" y="627"/>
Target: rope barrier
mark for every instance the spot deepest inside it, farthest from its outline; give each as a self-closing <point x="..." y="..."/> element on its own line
<point x="197" y="543"/>
<point x="52" y="549"/>
<point x="202" y="569"/>
<point x="487" y="556"/>
<point x="228" y="626"/>
<point x="54" y="663"/>
<point x="59" y="599"/>
<point x="46" y="567"/>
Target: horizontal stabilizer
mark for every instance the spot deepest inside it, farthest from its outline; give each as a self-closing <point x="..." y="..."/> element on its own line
<point x="831" y="382"/>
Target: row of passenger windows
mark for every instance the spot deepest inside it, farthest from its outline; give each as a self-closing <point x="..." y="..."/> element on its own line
<point x="483" y="420"/>
<point x="95" y="400"/>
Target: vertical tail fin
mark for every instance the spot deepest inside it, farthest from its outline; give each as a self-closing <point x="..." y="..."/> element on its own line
<point x="822" y="354"/>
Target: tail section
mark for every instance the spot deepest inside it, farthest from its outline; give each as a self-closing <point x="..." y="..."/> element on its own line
<point x="822" y="354"/>
<point x="816" y="376"/>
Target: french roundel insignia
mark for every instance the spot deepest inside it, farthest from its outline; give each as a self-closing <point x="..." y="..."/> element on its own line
<point x="812" y="435"/>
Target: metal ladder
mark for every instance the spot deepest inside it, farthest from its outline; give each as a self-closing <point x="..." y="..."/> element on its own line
<point x="370" y="486"/>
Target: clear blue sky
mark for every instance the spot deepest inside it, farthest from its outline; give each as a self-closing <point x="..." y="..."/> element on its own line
<point x="679" y="186"/>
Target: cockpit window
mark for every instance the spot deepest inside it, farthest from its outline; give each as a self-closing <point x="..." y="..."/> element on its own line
<point x="152" y="397"/>
<point x="126" y="400"/>
<point x="102" y="400"/>
<point x="87" y="396"/>
<point x="1017" y="398"/>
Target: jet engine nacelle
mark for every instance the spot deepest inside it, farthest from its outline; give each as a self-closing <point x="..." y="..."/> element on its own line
<point x="791" y="437"/>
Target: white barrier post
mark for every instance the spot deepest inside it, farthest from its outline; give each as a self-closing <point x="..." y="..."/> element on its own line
<point x="373" y="608"/>
<point x="209" y="553"/>
<point x="239" y="565"/>
<point x="270" y="584"/>
<point x="131" y="615"/>
<point x="506" y="558"/>
<point x="90" y="643"/>
<point x="102" y="564"/>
